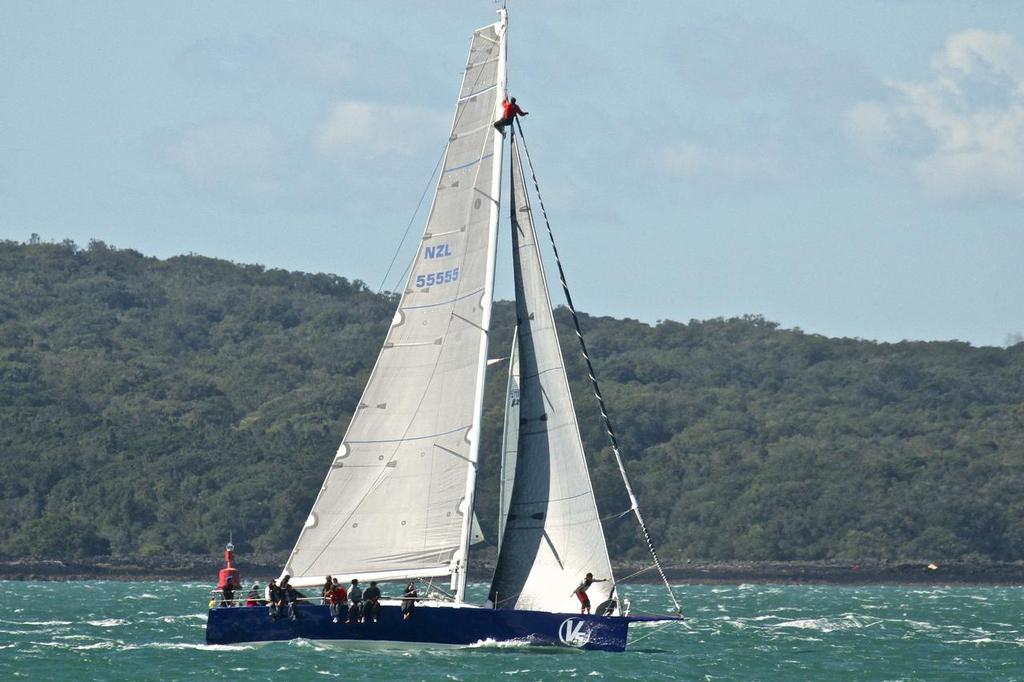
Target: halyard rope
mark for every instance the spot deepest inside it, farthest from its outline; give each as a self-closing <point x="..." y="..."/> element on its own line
<point x="593" y="378"/>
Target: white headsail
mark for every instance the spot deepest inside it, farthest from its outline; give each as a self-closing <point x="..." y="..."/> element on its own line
<point x="509" y="438"/>
<point x="552" y="534"/>
<point x="397" y="500"/>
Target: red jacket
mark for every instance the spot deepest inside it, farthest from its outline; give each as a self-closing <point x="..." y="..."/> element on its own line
<point x="511" y="109"/>
<point x="338" y="595"/>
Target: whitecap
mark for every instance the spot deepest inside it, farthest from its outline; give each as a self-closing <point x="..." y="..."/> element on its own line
<point x="819" y="624"/>
<point x="305" y="644"/>
<point x="498" y="644"/>
<point x="96" y="645"/>
<point x="189" y="616"/>
<point x="985" y="640"/>
<point x="107" y="622"/>
<point x="189" y="645"/>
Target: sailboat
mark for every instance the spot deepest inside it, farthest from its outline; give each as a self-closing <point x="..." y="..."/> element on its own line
<point x="397" y="502"/>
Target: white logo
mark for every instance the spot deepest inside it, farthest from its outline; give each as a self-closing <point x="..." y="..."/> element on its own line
<point x="574" y="632"/>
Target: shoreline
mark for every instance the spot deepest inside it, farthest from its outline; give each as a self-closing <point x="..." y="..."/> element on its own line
<point x="204" y="569"/>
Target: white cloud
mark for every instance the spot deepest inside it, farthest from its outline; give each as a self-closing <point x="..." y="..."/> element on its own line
<point x="960" y="134"/>
<point x="247" y="157"/>
<point x="356" y="129"/>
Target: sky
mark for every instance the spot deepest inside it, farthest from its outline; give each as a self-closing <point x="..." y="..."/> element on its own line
<point x="852" y="169"/>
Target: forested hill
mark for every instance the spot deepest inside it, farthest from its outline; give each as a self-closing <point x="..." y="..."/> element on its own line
<point x="155" y="406"/>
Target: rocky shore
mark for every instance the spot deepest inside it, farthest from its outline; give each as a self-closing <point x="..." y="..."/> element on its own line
<point x="204" y="569"/>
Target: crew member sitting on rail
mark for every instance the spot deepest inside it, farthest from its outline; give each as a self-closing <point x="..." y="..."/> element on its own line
<point x="338" y="599"/>
<point x="371" y="602"/>
<point x="253" y="598"/>
<point x="355" y="596"/>
<point x="290" y="597"/>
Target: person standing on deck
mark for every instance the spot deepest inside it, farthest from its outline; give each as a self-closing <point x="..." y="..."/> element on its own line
<point x="228" y="593"/>
<point x="409" y="600"/>
<point x="581" y="591"/>
<point x="509" y="110"/>
<point x="273" y="596"/>
<point x="325" y="591"/>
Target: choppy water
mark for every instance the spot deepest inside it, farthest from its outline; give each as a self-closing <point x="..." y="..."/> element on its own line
<point x="128" y="631"/>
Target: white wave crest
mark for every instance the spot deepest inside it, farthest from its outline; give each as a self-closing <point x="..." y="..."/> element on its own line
<point x="846" y="621"/>
<point x="499" y="644"/>
<point x="96" y="645"/>
<point x="189" y="645"/>
<point x="107" y="622"/>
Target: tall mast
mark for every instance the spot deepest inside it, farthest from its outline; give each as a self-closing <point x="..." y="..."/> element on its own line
<point x="486" y="303"/>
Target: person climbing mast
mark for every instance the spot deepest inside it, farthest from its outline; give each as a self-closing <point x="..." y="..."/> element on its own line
<point x="509" y="110"/>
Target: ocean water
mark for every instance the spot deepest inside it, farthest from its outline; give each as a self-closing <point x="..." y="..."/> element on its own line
<point x="129" y="631"/>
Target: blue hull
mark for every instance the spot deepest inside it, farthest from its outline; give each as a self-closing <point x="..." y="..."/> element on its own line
<point x="428" y="624"/>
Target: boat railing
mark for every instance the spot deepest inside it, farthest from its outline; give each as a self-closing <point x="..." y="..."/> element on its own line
<point x="217" y="600"/>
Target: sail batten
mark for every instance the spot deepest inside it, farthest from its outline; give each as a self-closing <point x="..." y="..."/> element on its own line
<point x="395" y="501"/>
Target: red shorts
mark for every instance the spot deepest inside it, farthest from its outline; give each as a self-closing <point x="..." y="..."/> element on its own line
<point x="584" y="599"/>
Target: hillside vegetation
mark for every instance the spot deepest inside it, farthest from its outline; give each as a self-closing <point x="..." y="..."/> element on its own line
<point x="155" y="406"/>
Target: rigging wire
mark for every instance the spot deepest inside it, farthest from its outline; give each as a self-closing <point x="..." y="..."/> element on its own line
<point x="635" y="507"/>
<point x="412" y="219"/>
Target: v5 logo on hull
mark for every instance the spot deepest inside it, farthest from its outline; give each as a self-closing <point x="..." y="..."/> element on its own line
<point x="574" y="632"/>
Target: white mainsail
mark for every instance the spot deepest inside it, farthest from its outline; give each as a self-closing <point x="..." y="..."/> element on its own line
<point x="397" y="501"/>
<point x="552" y="534"/>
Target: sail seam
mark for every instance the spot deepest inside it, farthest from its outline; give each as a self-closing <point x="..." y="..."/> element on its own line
<point x="555" y="499"/>
<point x="434" y="305"/>
<point x="466" y="165"/>
<point x="403" y="440"/>
<point x="476" y="64"/>
<point x="478" y="92"/>
<point x="471" y="131"/>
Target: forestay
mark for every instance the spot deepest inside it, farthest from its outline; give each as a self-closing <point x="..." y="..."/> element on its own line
<point x="394" y="502"/>
<point x="552" y="535"/>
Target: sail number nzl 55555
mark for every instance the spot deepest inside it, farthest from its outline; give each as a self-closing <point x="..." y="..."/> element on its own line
<point x="434" y="278"/>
